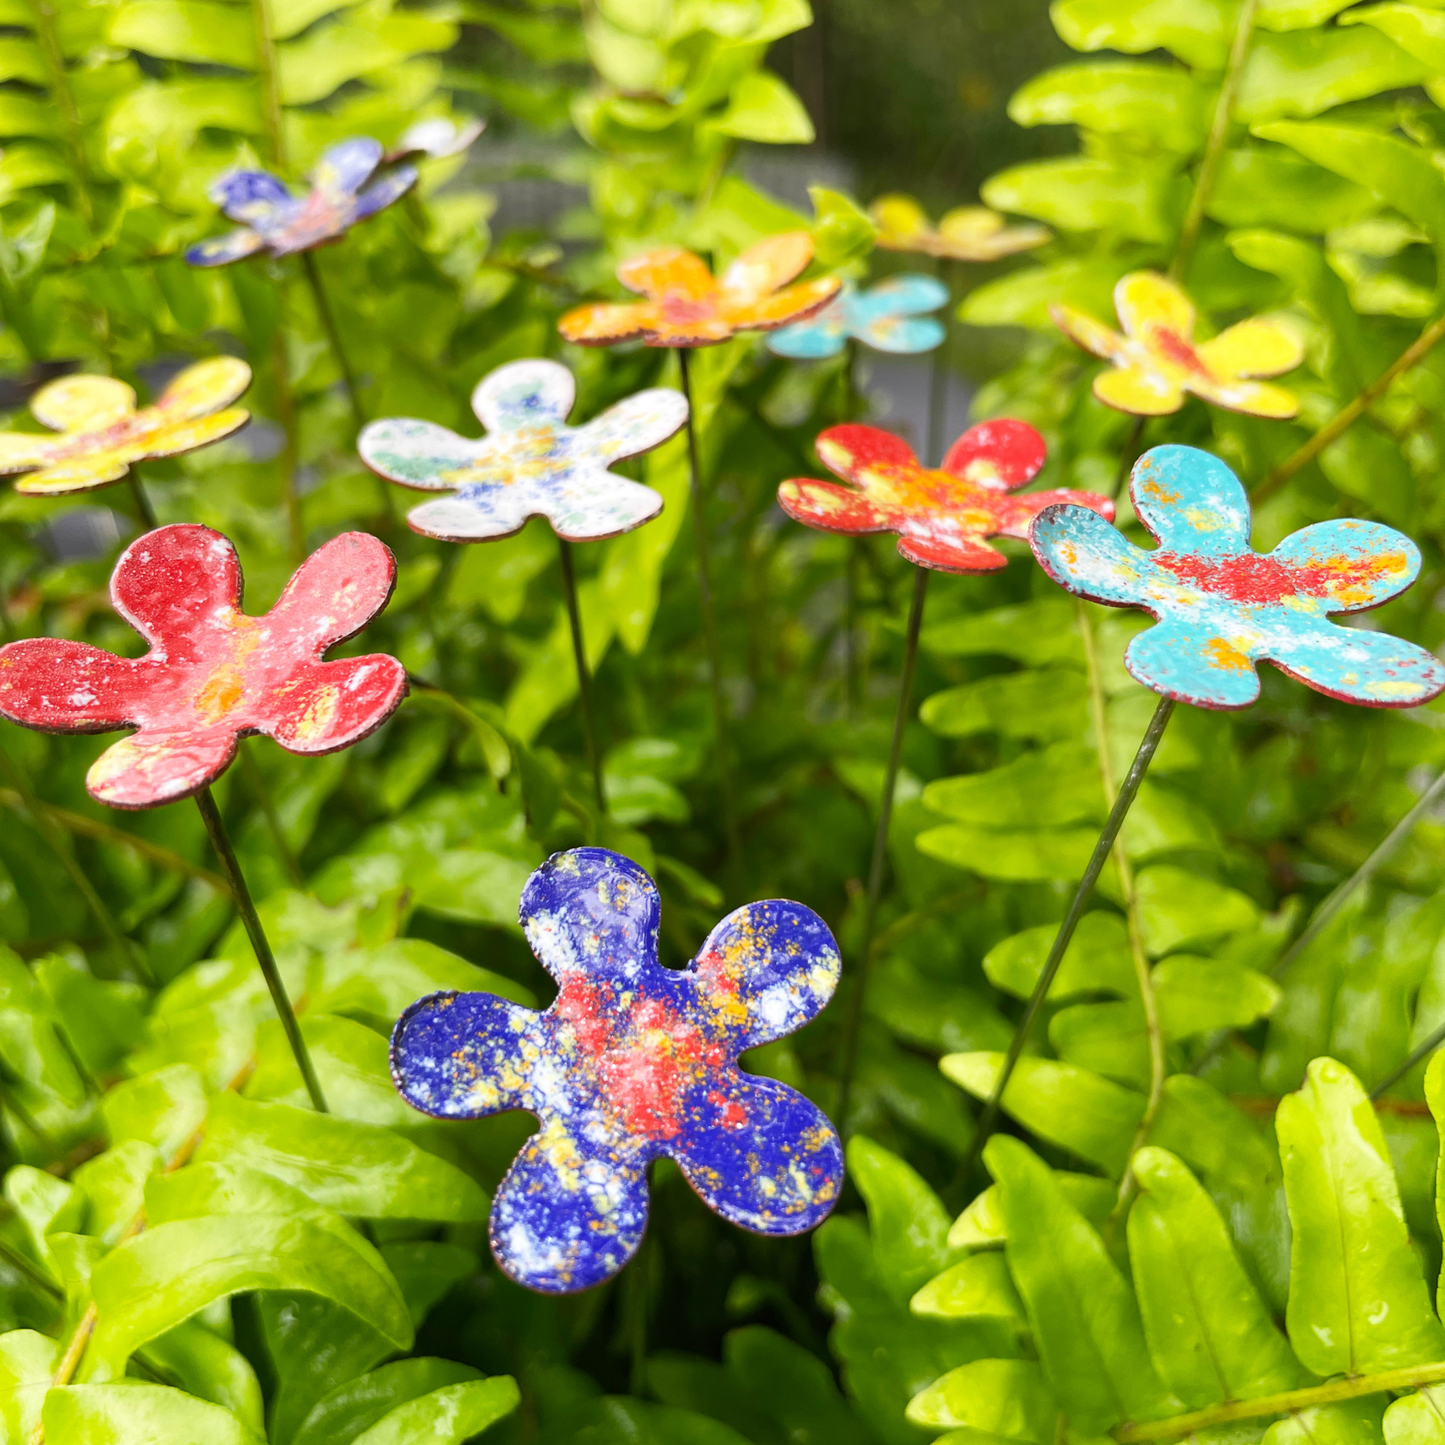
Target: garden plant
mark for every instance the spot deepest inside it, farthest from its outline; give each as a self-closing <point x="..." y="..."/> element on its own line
<point x="566" y="875"/>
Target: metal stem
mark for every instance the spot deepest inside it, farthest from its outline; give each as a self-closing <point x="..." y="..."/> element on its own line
<point x="328" y="322"/>
<point x="938" y="379"/>
<point x="220" y="841"/>
<point x="1147" y="748"/>
<point x="709" y="620"/>
<point x="142" y="502"/>
<point x="853" y="1025"/>
<point x="1128" y="456"/>
<point x="584" y="676"/>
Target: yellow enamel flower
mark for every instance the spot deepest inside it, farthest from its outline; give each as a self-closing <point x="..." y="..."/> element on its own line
<point x="966" y="233"/>
<point x="101" y="433"/>
<point x="1157" y="360"/>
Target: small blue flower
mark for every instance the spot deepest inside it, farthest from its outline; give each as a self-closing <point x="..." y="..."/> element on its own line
<point x="274" y="220"/>
<point x="1222" y="607"/>
<point x="631" y="1062"/>
<point x="891" y="316"/>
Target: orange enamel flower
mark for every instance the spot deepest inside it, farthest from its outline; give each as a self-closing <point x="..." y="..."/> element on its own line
<point x="966" y="233"/>
<point x="1157" y="360"/>
<point x="686" y="306"/>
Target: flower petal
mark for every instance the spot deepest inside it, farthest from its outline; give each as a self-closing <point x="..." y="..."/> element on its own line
<point x="19" y="450"/>
<point x="1261" y="346"/>
<point x="483" y="515"/>
<point x="999" y="455"/>
<point x="190" y="436"/>
<point x="1147" y="301"/>
<point x="571" y="1212"/>
<point x="250" y="196"/>
<point x="223" y="250"/>
<point x="902" y="335"/>
<point x="1193" y="660"/>
<point x="1253" y="398"/>
<point x="346" y="166"/>
<point x="82" y="473"/>
<point x="908" y="294"/>
<point x="150" y="768"/>
<point x="1013" y="516"/>
<point x="1373" y="669"/>
<point x="591" y="911"/>
<point x="205" y="387"/>
<point x="1190" y="501"/>
<point x="385" y="191"/>
<point x="330" y="705"/>
<point x="332" y="595"/>
<point x="860" y="454"/>
<point x="1354" y="565"/>
<point x="463" y="1055"/>
<point x="416" y="454"/>
<point x="82" y="403"/>
<point x="668" y="271"/>
<point x="170" y="585"/>
<point x="974" y="233"/>
<point x="60" y="686"/>
<point x="947" y="552"/>
<point x="825" y="335"/>
<point x="767" y="265"/>
<point x="524" y="393"/>
<point x="1080" y="551"/>
<point x="831" y="508"/>
<point x="1081" y="328"/>
<point x="1139" y="392"/>
<point x="792" y="304"/>
<point x="764" y="972"/>
<point x="591" y="506"/>
<point x="604" y="323"/>
<point x="764" y="1157"/>
<point x="902" y="223"/>
<point x="635" y="425"/>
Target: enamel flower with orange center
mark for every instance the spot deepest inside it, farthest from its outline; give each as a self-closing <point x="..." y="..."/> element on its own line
<point x="213" y="674"/>
<point x="1157" y="360"/>
<point x="101" y="434"/>
<point x="687" y="306"/>
<point x="966" y="233"/>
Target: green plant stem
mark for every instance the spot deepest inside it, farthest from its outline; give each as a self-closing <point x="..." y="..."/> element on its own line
<point x="1128" y="456"/>
<point x="47" y="34"/>
<point x="270" y="85"/>
<point x="333" y="336"/>
<point x="39" y="1134"/>
<point x="1214" y="146"/>
<point x="1145" y="755"/>
<point x="938" y="377"/>
<point x="722" y="751"/>
<point x="1411" y="1377"/>
<point x="853" y="1023"/>
<point x="257" y="784"/>
<point x="142" y="502"/>
<point x="211" y="816"/>
<point x="1099" y="715"/>
<point x="21" y="1265"/>
<point x="290" y="450"/>
<point x="1346" y="417"/>
<point x="46" y="827"/>
<point x="584" y="675"/>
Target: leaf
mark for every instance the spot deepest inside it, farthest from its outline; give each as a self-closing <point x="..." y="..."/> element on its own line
<point x="931" y="1014"/>
<point x="1080" y="193"/>
<point x="130" y="1413"/>
<point x="1197" y="31"/>
<point x="1037" y="633"/>
<point x="1017" y="857"/>
<point x="981" y="1225"/>
<point x="977" y="1286"/>
<point x="1196" y="996"/>
<point x="1357" y="1300"/>
<point x="31" y="1044"/>
<point x="447" y="1416"/>
<point x="27" y="1363"/>
<point x="164" y="1109"/>
<point x="1049" y="705"/>
<point x="1177" y="907"/>
<point x="1085" y="1322"/>
<point x="357" y="1169"/>
<point x="1023" y="298"/>
<point x="1351" y="1422"/>
<point x="793" y="1386"/>
<point x="1097" y="960"/>
<point x="1415" y="1419"/>
<point x="1048" y="789"/>
<point x="763" y="108"/>
<point x="1209" y="1334"/>
<point x="1165" y="105"/>
<point x="1269" y="186"/>
<point x="1068" y="1106"/>
<point x="908" y="1225"/>
<point x="209" y="1367"/>
<point x="353" y="1408"/>
<point x="842" y="231"/>
<point x="1416" y="29"/>
<point x="197" y="30"/>
<point x="1002" y="1398"/>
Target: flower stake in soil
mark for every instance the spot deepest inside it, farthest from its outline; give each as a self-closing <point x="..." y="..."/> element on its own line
<point x="531" y="464"/>
<point x="1220" y="609"/>
<point x="943" y="518"/>
<point x="687" y="307"/>
<point x="633" y="1062"/>
<point x="214" y="675"/>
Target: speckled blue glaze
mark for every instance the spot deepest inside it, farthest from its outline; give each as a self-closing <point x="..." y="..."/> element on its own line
<point x="633" y="1061"/>
<point x="1222" y="607"/>
<point x="891" y="316"/>
<point x="275" y="220"/>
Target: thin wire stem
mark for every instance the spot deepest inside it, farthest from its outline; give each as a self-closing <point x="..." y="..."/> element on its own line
<point x="270" y="82"/>
<point x="584" y="675"/>
<point x="1128" y="456"/>
<point x="290" y="448"/>
<point x="850" y="574"/>
<point x="338" y="352"/>
<point x="723" y="760"/>
<point x="1145" y="755"/>
<point x="257" y="784"/>
<point x="142" y="502"/>
<point x="853" y="1024"/>
<point x="46" y="827"/>
<point x="221" y="842"/>
<point x="938" y="378"/>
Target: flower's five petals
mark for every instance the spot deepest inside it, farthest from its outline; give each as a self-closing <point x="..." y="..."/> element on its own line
<point x="942" y="516"/>
<point x="686" y="306"/>
<point x="213" y="674"/>
<point x="530" y="463"/>
<point x="1221" y="607"/>
<point x="633" y="1061"/>
<point x="1157" y="361"/>
<point x="968" y="233"/>
<point x="100" y="434"/>
<point x="891" y="316"/>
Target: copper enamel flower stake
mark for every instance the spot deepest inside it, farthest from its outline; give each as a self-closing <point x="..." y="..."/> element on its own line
<point x="1221" y="608"/>
<point x="215" y="674"/>
<point x="687" y="308"/>
<point x="943" y="518"/>
<point x="531" y="464"/>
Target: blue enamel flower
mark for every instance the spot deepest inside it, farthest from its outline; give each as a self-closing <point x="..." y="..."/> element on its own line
<point x="891" y="316"/>
<point x="631" y="1062"/>
<point x="1221" y="607"/>
<point x="274" y="220"/>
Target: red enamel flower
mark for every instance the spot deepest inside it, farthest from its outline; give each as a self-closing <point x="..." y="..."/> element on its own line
<point x="942" y="515"/>
<point x="213" y="674"/>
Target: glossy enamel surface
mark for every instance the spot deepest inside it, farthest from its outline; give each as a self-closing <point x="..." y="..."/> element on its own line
<point x="942" y="515"/>
<point x="891" y="316"/>
<point x="1222" y="607"/>
<point x="966" y="233"/>
<point x="274" y="219"/>
<point x="98" y="432"/>
<point x="530" y="463"/>
<point x="1157" y="361"/>
<point x="213" y="673"/>
<point x="686" y="306"/>
<point x="633" y="1061"/>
